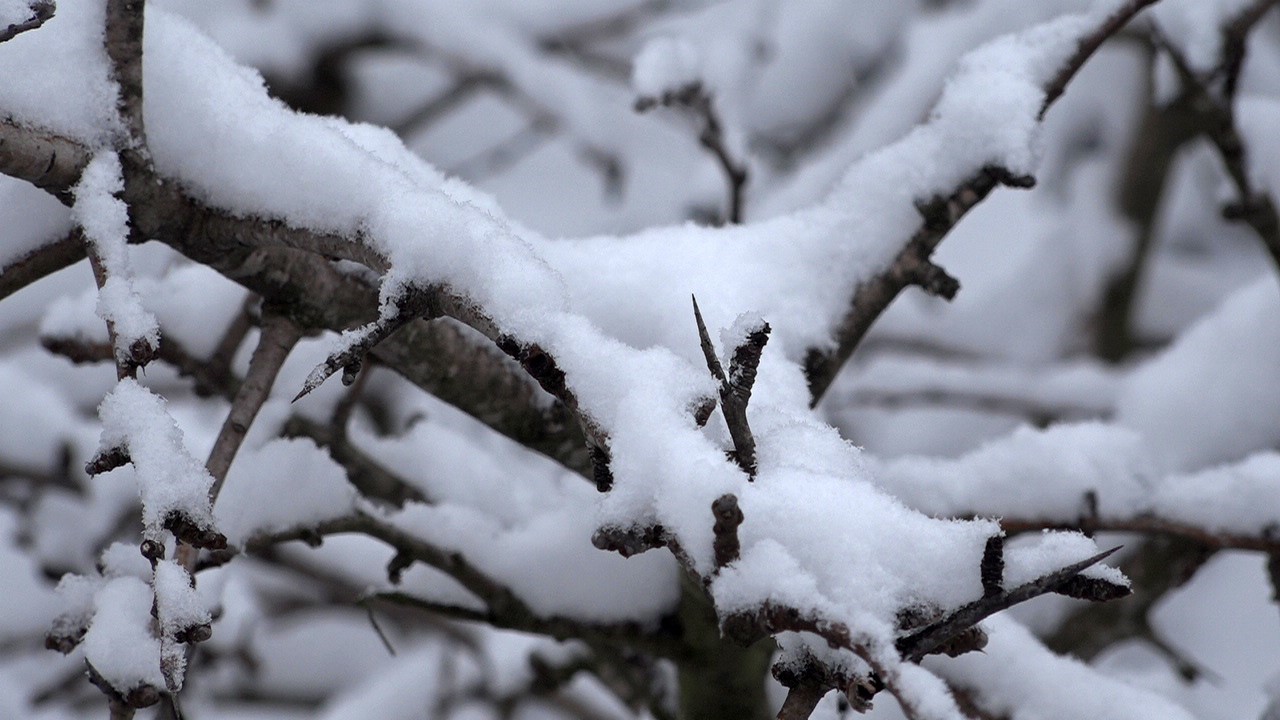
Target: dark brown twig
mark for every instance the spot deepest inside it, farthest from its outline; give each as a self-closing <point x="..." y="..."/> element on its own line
<point x="728" y="516"/>
<point x="695" y="98"/>
<point x="922" y="642"/>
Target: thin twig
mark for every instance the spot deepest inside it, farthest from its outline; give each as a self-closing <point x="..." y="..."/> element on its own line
<point x="711" y="135"/>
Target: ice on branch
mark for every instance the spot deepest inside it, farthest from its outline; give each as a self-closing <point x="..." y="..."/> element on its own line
<point x="173" y="486"/>
<point x="104" y="218"/>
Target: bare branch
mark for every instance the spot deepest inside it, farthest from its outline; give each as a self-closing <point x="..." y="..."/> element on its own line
<point x="1087" y="46"/>
<point x="370" y="477"/>
<point x="279" y="335"/>
<point x="1253" y="206"/>
<point x="695" y="98"/>
<point x="123" y="39"/>
<point x="41" y="263"/>
<point x="735" y="387"/>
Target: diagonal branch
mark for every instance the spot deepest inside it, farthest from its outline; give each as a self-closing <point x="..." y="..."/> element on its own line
<point x="930" y="638"/>
<point x="912" y="265"/>
<point x="41" y="12"/>
<point x="1254" y="206"/>
<point x="711" y="135"/>
<point x="41" y="263"/>
<point x="735" y="387"/>
<point x="279" y="335"/>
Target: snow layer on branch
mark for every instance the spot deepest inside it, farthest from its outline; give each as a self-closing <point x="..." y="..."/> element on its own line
<point x="1212" y="397"/>
<point x="169" y="479"/>
<point x="119" y="644"/>
<point x="57" y="77"/>
<point x="13" y="12"/>
<point x="283" y="485"/>
<point x="931" y="47"/>
<point x="1030" y="474"/>
<point x="635" y="366"/>
<point x="1017" y="677"/>
<point x="104" y="218"/>
<point x="1242" y="498"/>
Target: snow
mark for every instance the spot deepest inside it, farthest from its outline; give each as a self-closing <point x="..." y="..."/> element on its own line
<point x="73" y="96"/>
<point x="250" y="501"/>
<point x="13" y="12"/>
<point x="1209" y="398"/>
<point x="1029" y="474"/>
<point x="104" y="218"/>
<point x="119" y="644"/>
<point x="828" y="528"/>
<point x="1236" y="498"/>
<point x="169" y="479"/>
<point x="179" y="606"/>
<point x="1017" y="676"/>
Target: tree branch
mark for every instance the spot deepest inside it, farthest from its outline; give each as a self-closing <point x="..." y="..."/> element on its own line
<point x="912" y="265"/>
<point x="279" y="335"/>
<point x="123" y="37"/>
<point x="41" y="262"/>
<point x="41" y="12"/>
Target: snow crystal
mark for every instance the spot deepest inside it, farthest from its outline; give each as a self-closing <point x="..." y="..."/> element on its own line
<point x="104" y="218"/>
<point x="179" y="606"/>
<point x="119" y="644"/>
<point x="169" y="479"/>
<point x="665" y="65"/>
<point x="285" y="484"/>
<point x="57" y="77"/>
